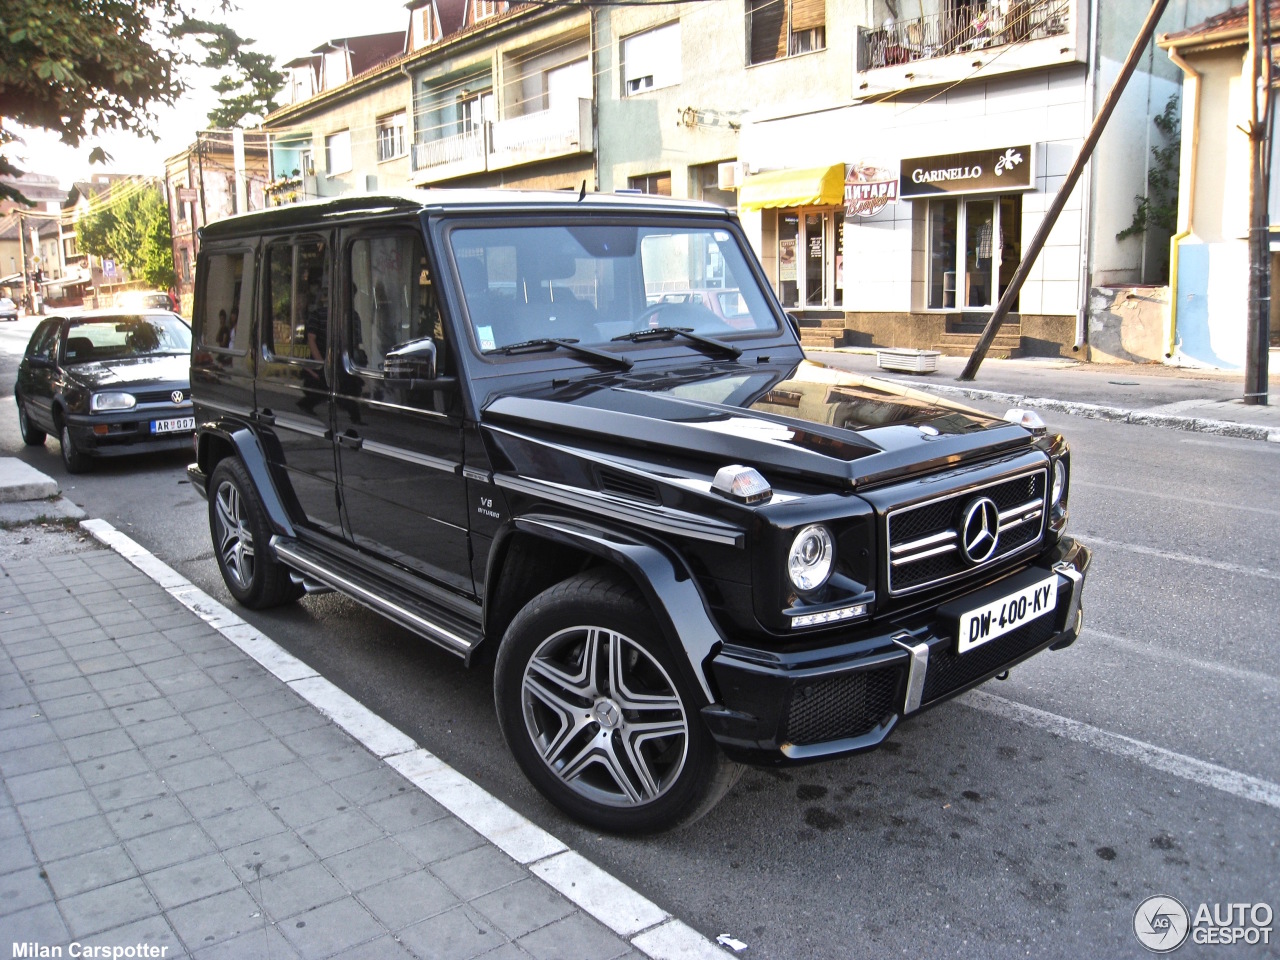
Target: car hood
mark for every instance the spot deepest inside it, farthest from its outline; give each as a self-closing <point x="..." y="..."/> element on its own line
<point x="805" y="420"/>
<point x="132" y="372"/>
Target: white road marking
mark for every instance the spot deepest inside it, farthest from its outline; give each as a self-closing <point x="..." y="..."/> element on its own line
<point x="647" y="927"/>
<point x="1151" y="651"/>
<point x="1222" y="565"/>
<point x="1206" y="774"/>
<point x="1197" y="501"/>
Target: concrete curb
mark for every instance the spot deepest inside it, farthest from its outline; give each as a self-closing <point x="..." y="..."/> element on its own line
<point x="642" y="923"/>
<point x="1093" y="411"/>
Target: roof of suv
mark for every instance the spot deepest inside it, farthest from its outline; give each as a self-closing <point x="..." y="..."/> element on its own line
<point x="350" y="205"/>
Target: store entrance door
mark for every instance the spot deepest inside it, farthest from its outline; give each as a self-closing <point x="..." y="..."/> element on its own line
<point x="810" y="265"/>
<point x="985" y="262"/>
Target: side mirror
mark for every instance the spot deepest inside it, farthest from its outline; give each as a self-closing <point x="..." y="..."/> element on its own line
<point x="412" y="366"/>
<point x="414" y="360"/>
<point x="39" y="363"/>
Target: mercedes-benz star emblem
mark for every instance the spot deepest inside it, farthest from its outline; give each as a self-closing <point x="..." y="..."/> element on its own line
<point x="176" y="396"/>
<point x="607" y="714"/>
<point x="980" y="530"/>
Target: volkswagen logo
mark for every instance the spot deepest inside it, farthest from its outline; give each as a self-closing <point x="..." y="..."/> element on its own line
<point x="176" y="396"/>
<point x="980" y="530"/>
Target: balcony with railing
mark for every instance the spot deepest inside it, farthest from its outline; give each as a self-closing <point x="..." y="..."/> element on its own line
<point x="559" y="132"/>
<point x="456" y="155"/>
<point x="980" y="34"/>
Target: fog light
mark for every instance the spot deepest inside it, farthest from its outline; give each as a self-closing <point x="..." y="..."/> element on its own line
<point x="829" y="616"/>
<point x="101" y="429"/>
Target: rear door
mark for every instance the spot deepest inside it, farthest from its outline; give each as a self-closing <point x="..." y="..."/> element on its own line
<point x="399" y="447"/>
<point x="292" y="394"/>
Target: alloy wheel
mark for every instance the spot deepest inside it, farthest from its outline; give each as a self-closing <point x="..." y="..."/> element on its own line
<point x="235" y="540"/>
<point x="604" y="716"/>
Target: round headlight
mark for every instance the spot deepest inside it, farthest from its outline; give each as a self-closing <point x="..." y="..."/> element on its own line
<point x="812" y="554"/>
<point x="1059" y="482"/>
<point x="100" y="402"/>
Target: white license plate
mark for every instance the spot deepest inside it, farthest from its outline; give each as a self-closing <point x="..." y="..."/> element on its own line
<point x="173" y="424"/>
<point x="1008" y="613"/>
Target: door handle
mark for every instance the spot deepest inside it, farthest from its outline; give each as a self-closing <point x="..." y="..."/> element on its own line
<point x="352" y="440"/>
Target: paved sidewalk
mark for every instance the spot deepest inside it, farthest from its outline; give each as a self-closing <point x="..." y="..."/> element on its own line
<point x="164" y="788"/>
<point x="1206" y="401"/>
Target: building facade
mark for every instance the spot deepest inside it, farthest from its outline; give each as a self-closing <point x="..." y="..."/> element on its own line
<point x="889" y="164"/>
<point x="208" y="181"/>
<point x="1210" y="295"/>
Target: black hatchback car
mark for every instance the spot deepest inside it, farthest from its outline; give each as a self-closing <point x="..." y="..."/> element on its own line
<point x="107" y="384"/>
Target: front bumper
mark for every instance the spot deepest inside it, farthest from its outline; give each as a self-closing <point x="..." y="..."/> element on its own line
<point x="128" y="432"/>
<point x="793" y="707"/>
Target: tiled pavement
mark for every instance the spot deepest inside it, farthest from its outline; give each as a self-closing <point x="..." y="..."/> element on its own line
<point x="162" y="788"/>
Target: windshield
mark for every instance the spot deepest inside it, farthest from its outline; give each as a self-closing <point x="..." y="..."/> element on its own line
<point x="594" y="283"/>
<point x="124" y="337"/>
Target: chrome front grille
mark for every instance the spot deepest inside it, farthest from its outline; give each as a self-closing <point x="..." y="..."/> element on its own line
<point x="926" y="539"/>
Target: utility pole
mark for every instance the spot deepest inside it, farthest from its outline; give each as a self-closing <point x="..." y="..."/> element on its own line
<point x="1064" y="192"/>
<point x="22" y="254"/>
<point x="1258" y="322"/>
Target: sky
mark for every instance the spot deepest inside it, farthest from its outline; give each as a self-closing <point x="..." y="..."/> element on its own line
<point x="283" y="29"/>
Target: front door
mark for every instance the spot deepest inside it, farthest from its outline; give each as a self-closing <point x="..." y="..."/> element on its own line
<point x="399" y="445"/>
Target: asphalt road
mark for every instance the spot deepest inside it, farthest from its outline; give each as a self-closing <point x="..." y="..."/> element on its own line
<point x="1030" y="819"/>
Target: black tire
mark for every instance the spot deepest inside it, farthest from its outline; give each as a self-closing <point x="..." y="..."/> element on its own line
<point x="241" y="535"/>
<point x="32" y="435"/>
<point x="598" y="717"/>
<point x="73" y="458"/>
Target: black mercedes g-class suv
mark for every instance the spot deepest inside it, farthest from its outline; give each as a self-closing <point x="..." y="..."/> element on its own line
<point x="578" y="434"/>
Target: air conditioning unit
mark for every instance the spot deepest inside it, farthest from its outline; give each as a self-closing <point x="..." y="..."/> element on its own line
<point x="731" y="174"/>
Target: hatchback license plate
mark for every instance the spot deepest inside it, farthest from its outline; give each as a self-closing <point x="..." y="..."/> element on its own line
<point x="173" y="424"/>
<point x="1006" y="614"/>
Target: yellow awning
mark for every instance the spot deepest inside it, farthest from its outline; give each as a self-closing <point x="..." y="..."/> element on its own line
<point x="814" y="186"/>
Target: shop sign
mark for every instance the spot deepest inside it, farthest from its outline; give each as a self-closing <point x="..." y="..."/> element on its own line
<point x="1000" y="170"/>
<point x="867" y="188"/>
<point x="187" y="195"/>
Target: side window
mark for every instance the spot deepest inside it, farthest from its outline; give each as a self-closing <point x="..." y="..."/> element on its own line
<point x="228" y="293"/>
<point x="297" y="289"/>
<point x="45" y="342"/>
<point x="393" y="300"/>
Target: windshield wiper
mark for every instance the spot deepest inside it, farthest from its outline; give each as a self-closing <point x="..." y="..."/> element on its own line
<point x="668" y="333"/>
<point x="570" y="344"/>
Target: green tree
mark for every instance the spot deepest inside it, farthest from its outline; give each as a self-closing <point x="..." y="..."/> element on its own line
<point x="1159" y="207"/>
<point x="82" y="67"/>
<point x="248" y="87"/>
<point x="132" y="229"/>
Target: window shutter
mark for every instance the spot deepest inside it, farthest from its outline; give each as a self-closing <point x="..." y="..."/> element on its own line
<point x="768" y="19"/>
<point x="808" y="14"/>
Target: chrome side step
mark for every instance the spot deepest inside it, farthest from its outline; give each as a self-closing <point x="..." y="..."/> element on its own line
<point x="435" y="624"/>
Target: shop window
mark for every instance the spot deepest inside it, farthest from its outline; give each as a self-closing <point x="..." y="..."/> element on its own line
<point x="783" y="28"/>
<point x="651" y="60"/>
<point x="975" y="245"/>
<point x="655" y="183"/>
